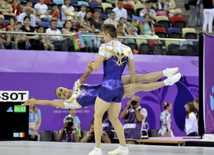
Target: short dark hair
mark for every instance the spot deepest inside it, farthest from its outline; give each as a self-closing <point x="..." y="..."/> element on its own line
<point x="120" y="0"/>
<point x="83" y="6"/>
<point x="69" y="118"/>
<point x="80" y="27"/>
<point x="54" y="4"/>
<point x="110" y="29"/>
<point x="196" y="100"/>
<point x="147" y="2"/>
<point x="166" y="104"/>
<point x="39" y="27"/>
<point x="71" y="29"/>
<point x="96" y="11"/>
<point x="27" y="17"/>
<point x="191" y="107"/>
<point x="54" y="20"/>
<point x="118" y="25"/>
<point x="28" y="1"/>
<point x="18" y="22"/>
<point x="112" y="12"/>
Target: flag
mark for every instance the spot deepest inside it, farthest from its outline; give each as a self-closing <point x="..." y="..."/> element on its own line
<point x="78" y="41"/>
<point x="137" y="20"/>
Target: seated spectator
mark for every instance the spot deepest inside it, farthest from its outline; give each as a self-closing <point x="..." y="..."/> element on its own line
<point x="111" y="20"/>
<point x="11" y="26"/>
<point x="133" y="29"/>
<point x="41" y="11"/>
<point x="60" y="43"/>
<point x="170" y="6"/>
<point x="165" y="121"/>
<point x="149" y="11"/>
<point x="68" y="12"/>
<point x="125" y="27"/>
<point x="27" y="12"/>
<point x="34" y="121"/>
<point x="159" y="5"/>
<point x="87" y="45"/>
<point x="82" y="12"/>
<point x="121" y="33"/>
<point x="55" y="11"/>
<point x="120" y="11"/>
<point x="19" y="38"/>
<point x="89" y="136"/>
<point x="86" y="21"/>
<point x="196" y="104"/>
<point x="95" y="21"/>
<point x="5" y="7"/>
<point x="16" y="9"/>
<point x="68" y="28"/>
<point x="76" y="120"/>
<point x="147" y="28"/>
<point x="191" y="124"/>
<point x="5" y="40"/>
<point x="96" y="41"/>
<point x="30" y="4"/>
<point x="136" y="121"/>
<point x="68" y="133"/>
<point x="34" y="40"/>
<point x="44" y="39"/>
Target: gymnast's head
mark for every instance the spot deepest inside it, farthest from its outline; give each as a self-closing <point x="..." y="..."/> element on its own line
<point x="109" y="32"/>
<point x="63" y="93"/>
<point x="167" y="106"/>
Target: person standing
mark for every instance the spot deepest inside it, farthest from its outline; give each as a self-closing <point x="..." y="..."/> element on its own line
<point x="208" y="15"/>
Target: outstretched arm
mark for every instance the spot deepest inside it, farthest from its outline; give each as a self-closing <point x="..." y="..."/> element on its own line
<point x="96" y="65"/>
<point x="87" y="73"/>
<point x="131" y="67"/>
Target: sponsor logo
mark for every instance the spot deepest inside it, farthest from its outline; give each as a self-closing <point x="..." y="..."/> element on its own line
<point x="10" y="109"/>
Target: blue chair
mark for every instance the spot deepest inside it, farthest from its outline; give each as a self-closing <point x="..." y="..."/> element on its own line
<point x="7" y="22"/>
<point x="174" y="33"/>
<point x="22" y="0"/>
<point x="44" y="24"/>
<point x="48" y="11"/>
<point x="58" y="2"/>
<point x="102" y="16"/>
<point x="94" y="4"/>
<point x="60" y="24"/>
<point x="73" y="25"/>
<point x="73" y="2"/>
<point x="82" y="3"/>
<point x="34" y="1"/>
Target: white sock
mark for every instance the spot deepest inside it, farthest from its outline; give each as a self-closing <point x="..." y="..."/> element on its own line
<point x="165" y="72"/>
<point x="123" y="148"/>
<point x="97" y="149"/>
<point x="167" y="81"/>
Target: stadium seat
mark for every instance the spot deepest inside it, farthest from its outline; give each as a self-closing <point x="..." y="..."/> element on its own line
<point x="138" y="8"/>
<point x="188" y="50"/>
<point x="131" y="2"/>
<point x="154" y="133"/>
<point x="45" y="136"/>
<point x="48" y="11"/>
<point x="159" y="29"/>
<point x="173" y="47"/>
<point x="48" y="1"/>
<point x="157" y="49"/>
<point x="161" y="34"/>
<point x="130" y="11"/>
<point x="58" y="2"/>
<point x="176" y="18"/>
<point x="60" y="24"/>
<point x="22" y="0"/>
<point x="106" y="5"/>
<point x="140" y="41"/>
<point x="180" y="24"/>
<point x="133" y="46"/>
<point x="174" y="33"/>
<point x="82" y="3"/>
<point x="102" y="20"/>
<point x="163" y="20"/>
<point x="108" y="10"/>
<point x="44" y="24"/>
<point x="88" y="8"/>
<point x="196" y="45"/>
<point x="76" y="7"/>
<point x="189" y="33"/>
<point x="55" y="135"/>
<point x="102" y="15"/>
<point x="73" y="2"/>
<point x="144" y="48"/>
<point x="7" y="22"/>
<point x="93" y="4"/>
<point x="99" y="9"/>
<point x="34" y="1"/>
<point x="127" y="6"/>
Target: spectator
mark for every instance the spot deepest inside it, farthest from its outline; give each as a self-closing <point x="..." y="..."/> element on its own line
<point x="120" y="32"/>
<point x="11" y="26"/>
<point x="81" y="13"/>
<point x="125" y="27"/>
<point x="16" y="9"/>
<point x="136" y="1"/>
<point x="68" y="12"/>
<point x="165" y="121"/>
<point x="5" y="40"/>
<point x="34" y="121"/>
<point x="30" y="4"/>
<point x="170" y="6"/>
<point x="68" y="28"/>
<point x="191" y="125"/>
<point x="111" y="20"/>
<point x="120" y="11"/>
<point x="19" y="38"/>
<point x="86" y="21"/>
<point x="149" y="11"/>
<point x="133" y="29"/>
<point x="41" y="11"/>
<point x="27" y="12"/>
<point x="55" y="11"/>
<point x="208" y="15"/>
<point x="147" y="28"/>
<point x="34" y="40"/>
<point x="196" y="104"/>
<point x="89" y="136"/>
<point x="136" y="123"/>
<point x="96" y="41"/>
<point x="159" y="5"/>
<point x="44" y="40"/>
<point x="68" y="132"/>
<point x="76" y="120"/>
<point x="59" y="42"/>
<point x="95" y="21"/>
<point x="5" y="7"/>
<point x="87" y="45"/>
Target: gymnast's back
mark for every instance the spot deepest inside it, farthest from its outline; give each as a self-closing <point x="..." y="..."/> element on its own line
<point x="116" y="56"/>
